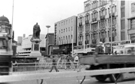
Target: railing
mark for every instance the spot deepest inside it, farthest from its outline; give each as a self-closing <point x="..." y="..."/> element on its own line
<point x="21" y="67"/>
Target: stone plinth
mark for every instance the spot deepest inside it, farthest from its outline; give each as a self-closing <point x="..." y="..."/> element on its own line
<point x="35" y="49"/>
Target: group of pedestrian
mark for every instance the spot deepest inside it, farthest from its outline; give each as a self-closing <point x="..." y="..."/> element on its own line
<point x="70" y="62"/>
<point x="103" y="49"/>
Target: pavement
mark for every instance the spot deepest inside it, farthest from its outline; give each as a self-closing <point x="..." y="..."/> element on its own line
<point x="45" y="71"/>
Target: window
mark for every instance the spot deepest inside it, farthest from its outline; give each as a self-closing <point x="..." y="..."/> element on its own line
<point x="87" y="7"/>
<point x="114" y="21"/>
<point x="132" y="37"/>
<point x="95" y="4"/>
<point x="92" y="15"/>
<point x="132" y="23"/>
<point x="80" y="20"/>
<point x="122" y="12"/>
<point x="87" y="17"/>
<point x="123" y="24"/>
<point x="109" y="22"/>
<point x="122" y="2"/>
<point x="103" y="2"/>
<point x="71" y="29"/>
<point x="133" y="7"/>
<point x="109" y="11"/>
<point x="122" y="35"/>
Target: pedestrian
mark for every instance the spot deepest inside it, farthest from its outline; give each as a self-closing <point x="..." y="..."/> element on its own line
<point x="54" y="65"/>
<point x="107" y="49"/>
<point x="99" y="48"/>
<point x="76" y="59"/>
<point x="115" y="53"/>
<point x="67" y="62"/>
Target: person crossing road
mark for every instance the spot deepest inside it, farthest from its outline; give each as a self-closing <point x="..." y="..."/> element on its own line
<point x="54" y="65"/>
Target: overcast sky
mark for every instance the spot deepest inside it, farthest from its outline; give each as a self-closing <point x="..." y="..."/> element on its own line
<point x="45" y="12"/>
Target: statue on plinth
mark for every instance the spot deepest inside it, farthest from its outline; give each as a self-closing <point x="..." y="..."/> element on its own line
<point x="36" y="41"/>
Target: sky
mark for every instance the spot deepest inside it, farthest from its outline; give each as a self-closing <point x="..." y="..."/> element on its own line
<point x="46" y="12"/>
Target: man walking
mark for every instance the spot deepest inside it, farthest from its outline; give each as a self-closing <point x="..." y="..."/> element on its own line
<point x="54" y="65"/>
<point x="99" y="49"/>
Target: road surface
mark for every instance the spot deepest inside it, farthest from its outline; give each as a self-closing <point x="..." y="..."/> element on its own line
<point x="71" y="80"/>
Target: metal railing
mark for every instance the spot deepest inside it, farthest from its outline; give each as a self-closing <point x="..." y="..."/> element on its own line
<point x="20" y="67"/>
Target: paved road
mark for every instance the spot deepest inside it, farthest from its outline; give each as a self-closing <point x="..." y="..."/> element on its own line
<point x="71" y="80"/>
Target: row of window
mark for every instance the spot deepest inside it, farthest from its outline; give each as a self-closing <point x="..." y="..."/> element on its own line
<point x="103" y="39"/>
<point x="66" y="30"/>
<point x="104" y="23"/>
<point x="65" y="22"/>
<point x="95" y="4"/>
<point x="66" y="38"/>
<point x="101" y="35"/>
<point x="102" y="12"/>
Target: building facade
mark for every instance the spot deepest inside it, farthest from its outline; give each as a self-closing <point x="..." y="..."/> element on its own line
<point x="131" y="19"/>
<point x="65" y="33"/>
<point x="49" y="42"/>
<point x="105" y="21"/>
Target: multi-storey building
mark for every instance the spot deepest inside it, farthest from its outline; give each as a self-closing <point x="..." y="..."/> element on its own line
<point x="130" y="22"/>
<point x="106" y="21"/>
<point x="65" y="33"/>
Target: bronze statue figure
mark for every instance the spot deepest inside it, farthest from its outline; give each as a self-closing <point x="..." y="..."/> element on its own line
<point x="36" y="31"/>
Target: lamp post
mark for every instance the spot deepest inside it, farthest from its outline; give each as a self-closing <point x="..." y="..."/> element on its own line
<point x="48" y="26"/>
<point x="72" y="41"/>
<point x="111" y="28"/>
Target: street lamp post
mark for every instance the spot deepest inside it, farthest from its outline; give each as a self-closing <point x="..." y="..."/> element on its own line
<point x="72" y="41"/>
<point x="111" y="29"/>
<point x="48" y="26"/>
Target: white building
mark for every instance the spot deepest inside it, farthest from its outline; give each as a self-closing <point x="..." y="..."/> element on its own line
<point x="106" y="21"/>
<point x="26" y="44"/>
<point x="65" y="30"/>
<point x="65" y="33"/>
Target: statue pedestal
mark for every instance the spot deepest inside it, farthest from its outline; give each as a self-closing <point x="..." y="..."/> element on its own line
<point x="35" y="49"/>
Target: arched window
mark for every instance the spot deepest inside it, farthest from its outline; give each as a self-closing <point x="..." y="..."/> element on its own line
<point x="87" y="18"/>
<point x="114" y="8"/>
<point x="80" y="20"/>
<point x="94" y="15"/>
<point x="87" y="7"/>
